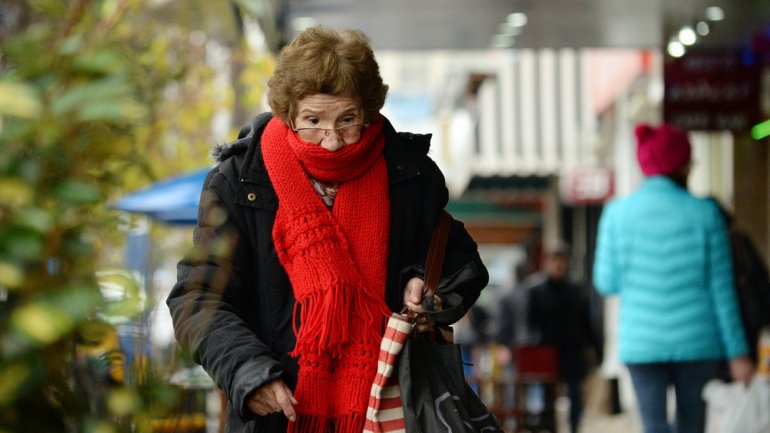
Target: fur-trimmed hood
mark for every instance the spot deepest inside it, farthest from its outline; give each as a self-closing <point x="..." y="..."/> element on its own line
<point x="221" y="152"/>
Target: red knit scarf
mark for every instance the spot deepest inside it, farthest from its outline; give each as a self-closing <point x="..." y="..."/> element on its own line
<point x="336" y="262"/>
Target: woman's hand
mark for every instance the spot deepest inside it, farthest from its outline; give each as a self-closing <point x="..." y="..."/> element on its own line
<point x="742" y="369"/>
<point x="413" y="294"/>
<point x="272" y="397"/>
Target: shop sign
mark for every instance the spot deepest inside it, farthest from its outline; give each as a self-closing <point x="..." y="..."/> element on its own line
<point x="712" y="90"/>
<point x="587" y="185"/>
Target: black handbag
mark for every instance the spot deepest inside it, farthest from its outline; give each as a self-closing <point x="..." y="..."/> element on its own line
<point x="435" y="396"/>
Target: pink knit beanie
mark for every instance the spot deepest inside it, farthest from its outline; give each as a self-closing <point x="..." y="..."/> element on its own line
<point x="661" y="150"/>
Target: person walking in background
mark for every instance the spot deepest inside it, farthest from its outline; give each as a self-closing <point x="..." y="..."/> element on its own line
<point x="509" y="324"/>
<point x="558" y="315"/>
<point x="666" y="253"/>
<point x="752" y="282"/>
<point x="313" y="227"/>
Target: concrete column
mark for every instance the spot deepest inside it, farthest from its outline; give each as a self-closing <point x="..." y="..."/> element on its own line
<point x="552" y="231"/>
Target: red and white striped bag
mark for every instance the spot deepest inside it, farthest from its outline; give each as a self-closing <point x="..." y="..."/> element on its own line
<point x="385" y="413"/>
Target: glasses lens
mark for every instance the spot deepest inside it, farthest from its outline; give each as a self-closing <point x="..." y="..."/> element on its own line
<point x="311" y="134"/>
<point x="317" y="134"/>
<point x="348" y="131"/>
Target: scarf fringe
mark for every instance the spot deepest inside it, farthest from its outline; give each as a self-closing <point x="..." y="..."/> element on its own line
<point x="326" y="320"/>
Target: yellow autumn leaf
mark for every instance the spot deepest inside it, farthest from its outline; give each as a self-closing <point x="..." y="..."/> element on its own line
<point x="14" y="192"/>
<point x="102" y="427"/>
<point x="19" y="99"/>
<point x="41" y="322"/>
<point x="10" y="276"/>
<point x="12" y="376"/>
<point x="123" y="401"/>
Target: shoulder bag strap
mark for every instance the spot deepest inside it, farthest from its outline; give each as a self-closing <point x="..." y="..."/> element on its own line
<point x="436" y="251"/>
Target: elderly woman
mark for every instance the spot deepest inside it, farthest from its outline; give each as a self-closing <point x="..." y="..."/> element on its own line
<point x="312" y="228"/>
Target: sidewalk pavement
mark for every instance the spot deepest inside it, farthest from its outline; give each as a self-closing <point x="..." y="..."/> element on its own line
<point x="593" y="422"/>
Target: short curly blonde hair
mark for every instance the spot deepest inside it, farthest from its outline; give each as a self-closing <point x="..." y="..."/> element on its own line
<point x="328" y="61"/>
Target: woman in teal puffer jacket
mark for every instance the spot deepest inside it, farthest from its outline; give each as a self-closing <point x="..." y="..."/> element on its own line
<point x="666" y="253"/>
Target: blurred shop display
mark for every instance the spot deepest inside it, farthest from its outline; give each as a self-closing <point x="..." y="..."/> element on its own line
<point x="199" y="407"/>
<point x="520" y="392"/>
<point x="198" y="404"/>
<point x="537" y="379"/>
<point x="763" y="362"/>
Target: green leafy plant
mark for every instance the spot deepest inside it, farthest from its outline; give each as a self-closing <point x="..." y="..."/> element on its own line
<point x="97" y="97"/>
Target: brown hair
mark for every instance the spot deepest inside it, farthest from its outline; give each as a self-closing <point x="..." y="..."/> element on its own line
<point x="328" y="61"/>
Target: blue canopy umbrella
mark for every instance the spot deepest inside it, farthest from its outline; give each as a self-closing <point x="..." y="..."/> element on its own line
<point x="173" y="200"/>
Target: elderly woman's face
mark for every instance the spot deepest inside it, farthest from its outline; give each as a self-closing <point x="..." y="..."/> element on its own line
<point x="332" y="122"/>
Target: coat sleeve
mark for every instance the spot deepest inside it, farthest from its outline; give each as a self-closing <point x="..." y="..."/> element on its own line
<point x="204" y="303"/>
<point x="722" y="286"/>
<point x="606" y="272"/>
<point x="463" y="273"/>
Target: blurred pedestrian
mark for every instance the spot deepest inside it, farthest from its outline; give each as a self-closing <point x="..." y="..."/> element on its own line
<point x="752" y="281"/>
<point x="559" y="315"/>
<point x="313" y="227"/>
<point x="666" y="253"/>
<point x="509" y="324"/>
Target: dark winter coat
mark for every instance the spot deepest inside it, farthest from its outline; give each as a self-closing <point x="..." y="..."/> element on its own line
<point x="752" y="285"/>
<point x="232" y="304"/>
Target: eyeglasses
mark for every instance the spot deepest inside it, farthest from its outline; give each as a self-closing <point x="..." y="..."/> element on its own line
<point x="315" y="135"/>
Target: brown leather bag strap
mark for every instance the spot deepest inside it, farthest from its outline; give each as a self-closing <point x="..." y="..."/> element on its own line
<point x="436" y="252"/>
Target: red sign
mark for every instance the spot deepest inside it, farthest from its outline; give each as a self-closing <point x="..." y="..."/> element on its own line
<point x="587" y="185"/>
<point x="712" y="90"/>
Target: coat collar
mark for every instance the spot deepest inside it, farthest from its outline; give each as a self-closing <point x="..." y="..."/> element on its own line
<point x="400" y="160"/>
